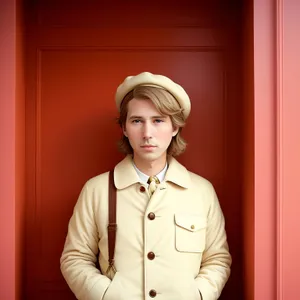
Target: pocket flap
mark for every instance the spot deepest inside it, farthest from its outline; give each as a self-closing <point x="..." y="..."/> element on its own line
<point x="190" y="222"/>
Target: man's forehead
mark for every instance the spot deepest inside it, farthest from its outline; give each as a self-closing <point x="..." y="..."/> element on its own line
<point x="141" y="104"/>
<point x="143" y="109"/>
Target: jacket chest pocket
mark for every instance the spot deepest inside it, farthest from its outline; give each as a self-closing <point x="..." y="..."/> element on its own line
<point x="190" y="232"/>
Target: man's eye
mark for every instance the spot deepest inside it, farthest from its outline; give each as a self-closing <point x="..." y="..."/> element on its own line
<point x="159" y="120"/>
<point x="136" y="121"/>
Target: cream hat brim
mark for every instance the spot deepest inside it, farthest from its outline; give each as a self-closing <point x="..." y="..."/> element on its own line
<point x="160" y="81"/>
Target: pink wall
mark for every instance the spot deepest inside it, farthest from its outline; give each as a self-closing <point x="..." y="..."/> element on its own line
<point x="264" y="150"/>
<point x="12" y="154"/>
<point x="288" y="160"/>
<point x="277" y="149"/>
<point x="7" y="149"/>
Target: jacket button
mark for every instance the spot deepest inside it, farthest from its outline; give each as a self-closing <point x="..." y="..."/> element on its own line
<point x="152" y="293"/>
<point x="151" y="255"/>
<point x="151" y="216"/>
<point x="142" y="189"/>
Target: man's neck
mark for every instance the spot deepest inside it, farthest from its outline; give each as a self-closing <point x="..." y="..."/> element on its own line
<point x="150" y="168"/>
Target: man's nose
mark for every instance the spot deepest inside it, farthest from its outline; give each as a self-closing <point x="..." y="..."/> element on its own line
<point x="147" y="130"/>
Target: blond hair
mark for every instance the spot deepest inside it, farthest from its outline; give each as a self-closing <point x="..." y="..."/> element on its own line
<point x="166" y="104"/>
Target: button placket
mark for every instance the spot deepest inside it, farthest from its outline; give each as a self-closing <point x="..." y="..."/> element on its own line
<point x="151" y="218"/>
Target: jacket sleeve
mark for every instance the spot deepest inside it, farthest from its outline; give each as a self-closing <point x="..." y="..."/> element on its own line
<point x="80" y="251"/>
<point x="216" y="259"/>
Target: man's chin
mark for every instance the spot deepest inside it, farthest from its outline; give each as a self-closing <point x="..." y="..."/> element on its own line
<point x="150" y="156"/>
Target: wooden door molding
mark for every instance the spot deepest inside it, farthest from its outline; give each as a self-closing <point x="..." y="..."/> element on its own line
<point x="265" y="247"/>
<point x="288" y="148"/>
<point x="64" y="122"/>
<point x="279" y="146"/>
<point x="8" y="175"/>
<point x="12" y="149"/>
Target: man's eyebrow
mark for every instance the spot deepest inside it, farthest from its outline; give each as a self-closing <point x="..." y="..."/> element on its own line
<point x="135" y="117"/>
<point x="159" y="117"/>
<point x="153" y="117"/>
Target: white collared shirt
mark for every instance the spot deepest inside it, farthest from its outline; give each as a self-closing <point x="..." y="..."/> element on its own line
<point x="144" y="178"/>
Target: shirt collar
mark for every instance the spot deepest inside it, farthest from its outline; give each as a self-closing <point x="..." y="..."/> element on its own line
<point x="125" y="173"/>
<point x="144" y="178"/>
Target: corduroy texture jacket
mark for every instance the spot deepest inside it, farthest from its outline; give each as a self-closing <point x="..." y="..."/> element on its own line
<point x="171" y="246"/>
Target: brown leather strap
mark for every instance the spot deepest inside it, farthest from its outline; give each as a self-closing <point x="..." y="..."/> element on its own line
<point x="112" y="225"/>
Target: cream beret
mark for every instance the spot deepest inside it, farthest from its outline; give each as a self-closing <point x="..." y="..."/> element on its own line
<point x="148" y="79"/>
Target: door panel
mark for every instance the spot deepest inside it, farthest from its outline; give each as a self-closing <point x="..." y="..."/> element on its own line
<point x="72" y="74"/>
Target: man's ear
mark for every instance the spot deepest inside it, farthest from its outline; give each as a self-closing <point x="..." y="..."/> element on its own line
<point x="175" y="131"/>
<point x="124" y="130"/>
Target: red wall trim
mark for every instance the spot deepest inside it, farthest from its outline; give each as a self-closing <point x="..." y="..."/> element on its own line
<point x="248" y="153"/>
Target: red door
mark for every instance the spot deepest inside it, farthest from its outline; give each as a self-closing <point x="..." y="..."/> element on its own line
<point x="77" y="54"/>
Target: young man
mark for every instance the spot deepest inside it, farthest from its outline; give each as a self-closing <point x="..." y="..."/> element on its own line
<point x="170" y="240"/>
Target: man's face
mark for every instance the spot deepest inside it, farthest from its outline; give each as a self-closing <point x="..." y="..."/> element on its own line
<point x="149" y="132"/>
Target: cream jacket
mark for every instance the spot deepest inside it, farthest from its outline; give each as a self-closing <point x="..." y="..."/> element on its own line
<point x="186" y="237"/>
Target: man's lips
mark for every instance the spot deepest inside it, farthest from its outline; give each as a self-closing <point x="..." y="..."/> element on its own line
<point x="148" y="146"/>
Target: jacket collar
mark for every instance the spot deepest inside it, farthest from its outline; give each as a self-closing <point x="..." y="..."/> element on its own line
<point x="177" y="173"/>
<point x="126" y="175"/>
